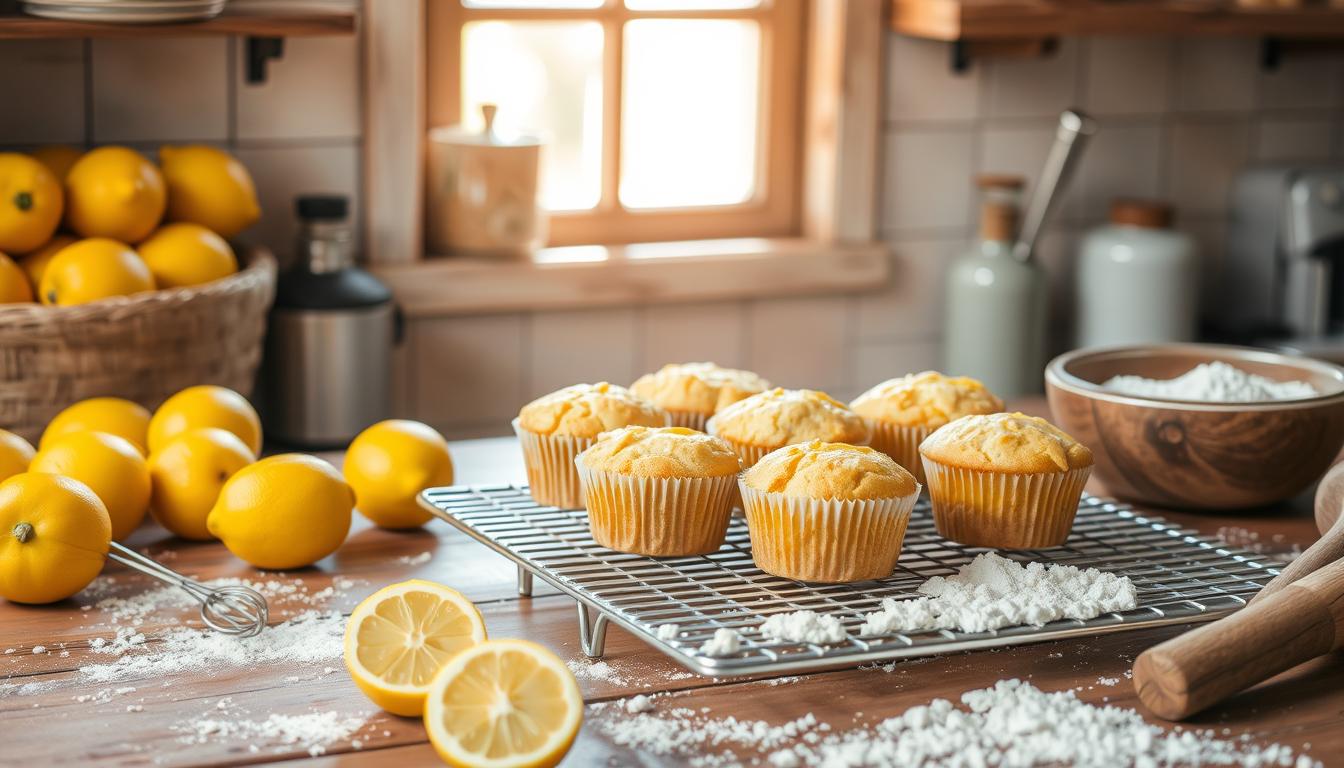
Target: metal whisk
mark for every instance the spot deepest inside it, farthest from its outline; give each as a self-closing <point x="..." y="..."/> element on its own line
<point x="233" y="610"/>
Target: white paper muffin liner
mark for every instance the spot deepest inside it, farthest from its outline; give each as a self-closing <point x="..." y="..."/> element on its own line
<point x="901" y="443"/>
<point x="688" y="419"/>
<point x="657" y="516"/>
<point x="825" y="540"/>
<point x="1004" y="510"/>
<point x="550" y="467"/>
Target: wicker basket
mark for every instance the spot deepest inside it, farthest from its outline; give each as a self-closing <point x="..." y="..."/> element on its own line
<point x="143" y="347"/>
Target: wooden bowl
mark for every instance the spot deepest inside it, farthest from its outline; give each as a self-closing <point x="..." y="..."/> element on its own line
<point x="1196" y="455"/>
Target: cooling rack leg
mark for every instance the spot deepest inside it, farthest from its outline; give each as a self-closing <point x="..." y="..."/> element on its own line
<point x="524" y="582"/>
<point x="592" y="631"/>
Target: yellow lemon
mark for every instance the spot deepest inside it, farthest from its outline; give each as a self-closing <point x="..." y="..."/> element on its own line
<point x="54" y="536"/>
<point x="59" y="158"/>
<point x="188" y="474"/>
<point x="392" y="461"/>
<point x="93" y="269"/>
<point x="286" y="511"/>
<point x="208" y="186"/>
<point x="187" y="254"/>
<point x="14" y="285"/>
<point x="205" y="405"/>
<point x="30" y="203"/>
<point x="503" y="704"/>
<point x="110" y="466"/>
<point x="399" y="638"/>
<point x="114" y="192"/>
<point x="35" y="262"/>
<point x="15" y="455"/>
<point x="113" y="415"/>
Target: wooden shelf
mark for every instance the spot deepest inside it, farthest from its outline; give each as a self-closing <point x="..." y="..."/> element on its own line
<point x="989" y="20"/>
<point x="249" y="22"/>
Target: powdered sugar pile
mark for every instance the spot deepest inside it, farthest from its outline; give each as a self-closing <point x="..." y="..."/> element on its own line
<point x="1215" y="382"/>
<point x="724" y="642"/>
<point x="803" y="627"/>
<point x="587" y="669"/>
<point x="992" y="592"/>
<point x="314" y="731"/>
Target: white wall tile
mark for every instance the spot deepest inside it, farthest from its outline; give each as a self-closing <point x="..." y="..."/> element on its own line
<point x="1216" y="74"/>
<point x="1291" y="138"/>
<point x="583" y="346"/>
<point x="1123" y="159"/>
<point x="800" y="342"/>
<point x="910" y="306"/>
<point x="927" y="182"/>
<point x="1016" y="148"/>
<point x="160" y="89"/>
<point x="313" y="92"/>
<point x="468" y="370"/>
<point x="877" y="361"/>
<point x="922" y="86"/>
<point x="1033" y="86"/>
<point x="1303" y="80"/>
<point x="681" y="333"/>
<point x="1205" y="157"/>
<point x="43" y="90"/>
<point x="283" y="173"/>
<point x="1128" y="75"/>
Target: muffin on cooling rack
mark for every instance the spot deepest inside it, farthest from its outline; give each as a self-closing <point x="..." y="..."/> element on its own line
<point x="904" y="411"/>
<point x="693" y="392"/>
<point x="1005" y="480"/>
<point x="555" y="428"/>
<point x="827" y="512"/>
<point x="778" y="417"/>
<point x="659" y="491"/>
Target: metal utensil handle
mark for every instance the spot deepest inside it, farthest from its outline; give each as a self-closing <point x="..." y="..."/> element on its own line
<point x="1070" y="138"/>
<point x="233" y="610"/>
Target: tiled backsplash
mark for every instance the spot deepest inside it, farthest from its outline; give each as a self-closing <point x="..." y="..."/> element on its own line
<point x="1178" y="118"/>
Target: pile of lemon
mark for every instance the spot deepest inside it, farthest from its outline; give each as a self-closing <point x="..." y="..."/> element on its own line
<point x="76" y="228"/>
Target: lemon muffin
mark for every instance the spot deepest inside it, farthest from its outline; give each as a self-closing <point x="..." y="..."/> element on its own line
<point x="827" y="512"/>
<point x="904" y="411"/>
<point x="659" y="491"/>
<point x="692" y="392"/>
<point x="778" y="417"/>
<point x="555" y="428"/>
<point x="1005" y="480"/>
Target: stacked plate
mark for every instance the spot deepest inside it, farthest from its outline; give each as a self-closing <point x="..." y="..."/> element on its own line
<point x="125" y="11"/>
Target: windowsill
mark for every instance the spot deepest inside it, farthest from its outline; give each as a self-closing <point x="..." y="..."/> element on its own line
<point x="587" y="276"/>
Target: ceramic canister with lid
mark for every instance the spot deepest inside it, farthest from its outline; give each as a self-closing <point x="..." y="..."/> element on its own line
<point x="1137" y="279"/>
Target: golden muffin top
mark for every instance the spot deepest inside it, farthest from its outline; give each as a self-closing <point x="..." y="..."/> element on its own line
<point x="1006" y="442"/>
<point x="779" y="417"/>
<point x="588" y="410"/>
<point x="831" y="471"/>
<point x="661" y="452"/>
<point x="697" y="387"/>
<point x="927" y="399"/>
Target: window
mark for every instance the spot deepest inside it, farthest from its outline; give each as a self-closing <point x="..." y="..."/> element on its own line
<point x="664" y="119"/>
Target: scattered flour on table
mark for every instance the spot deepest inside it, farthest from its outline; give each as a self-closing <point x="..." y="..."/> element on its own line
<point x="135" y="608"/>
<point x="587" y="669"/>
<point x="803" y="627"/>
<point x="1011" y="725"/>
<point x="420" y="559"/>
<point x="1215" y="382"/>
<point x="725" y="642"/>
<point x="1244" y="538"/>
<point x="313" y="731"/>
<point x="992" y="592"/>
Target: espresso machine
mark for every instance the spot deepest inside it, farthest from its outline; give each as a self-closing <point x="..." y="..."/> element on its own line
<point x="1282" y="281"/>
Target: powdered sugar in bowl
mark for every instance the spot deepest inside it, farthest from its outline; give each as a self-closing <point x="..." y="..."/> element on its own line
<point x="1172" y="438"/>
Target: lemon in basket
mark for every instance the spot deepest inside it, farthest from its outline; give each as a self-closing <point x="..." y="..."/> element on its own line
<point x="110" y="466"/>
<point x="391" y="462"/>
<point x="401" y="635"/>
<point x="93" y="269"/>
<point x="54" y="536"/>
<point x="114" y="192"/>
<point x="35" y="263"/>
<point x="205" y="405"/>
<point x="187" y="475"/>
<point x="208" y="186"/>
<point x="59" y="158"/>
<point x="113" y="415"/>
<point x="31" y="202"/>
<point x="187" y="254"/>
<point x="14" y="286"/>
<point x="15" y="454"/>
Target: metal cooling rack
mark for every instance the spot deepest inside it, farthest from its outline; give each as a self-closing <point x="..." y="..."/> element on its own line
<point x="1180" y="576"/>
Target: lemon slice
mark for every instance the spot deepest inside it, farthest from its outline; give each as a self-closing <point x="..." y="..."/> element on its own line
<point x="399" y="637"/>
<point x="503" y="704"/>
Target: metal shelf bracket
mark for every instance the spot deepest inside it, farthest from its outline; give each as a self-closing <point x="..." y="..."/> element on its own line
<point x="260" y="52"/>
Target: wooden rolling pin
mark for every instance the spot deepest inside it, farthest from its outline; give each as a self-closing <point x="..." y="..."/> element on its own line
<point x="1298" y="616"/>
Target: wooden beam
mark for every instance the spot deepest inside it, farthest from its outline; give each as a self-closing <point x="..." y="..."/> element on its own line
<point x="394" y="120"/>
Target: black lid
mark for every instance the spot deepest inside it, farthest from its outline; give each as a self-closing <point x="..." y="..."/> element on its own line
<point x="322" y="207"/>
<point x="344" y="289"/>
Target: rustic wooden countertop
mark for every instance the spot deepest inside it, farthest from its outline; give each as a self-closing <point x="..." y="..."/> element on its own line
<point x="51" y="726"/>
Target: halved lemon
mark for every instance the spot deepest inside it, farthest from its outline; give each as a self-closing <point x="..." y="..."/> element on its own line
<point x="503" y="704"/>
<point x="399" y="637"/>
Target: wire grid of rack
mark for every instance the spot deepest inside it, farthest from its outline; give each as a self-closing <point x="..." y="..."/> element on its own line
<point x="1180" y="578"/>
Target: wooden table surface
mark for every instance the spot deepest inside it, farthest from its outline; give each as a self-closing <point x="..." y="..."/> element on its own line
<point x="51" y="727"/>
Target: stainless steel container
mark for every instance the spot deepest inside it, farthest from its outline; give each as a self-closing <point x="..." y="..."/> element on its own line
<point x="328" y="365"/>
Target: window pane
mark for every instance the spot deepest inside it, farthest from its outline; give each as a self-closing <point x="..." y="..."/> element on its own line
<point x="689" y="113"/>
<point x="532" y="3"/>
<point x="688" y="5"/>
<point x="546" y="78"/>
